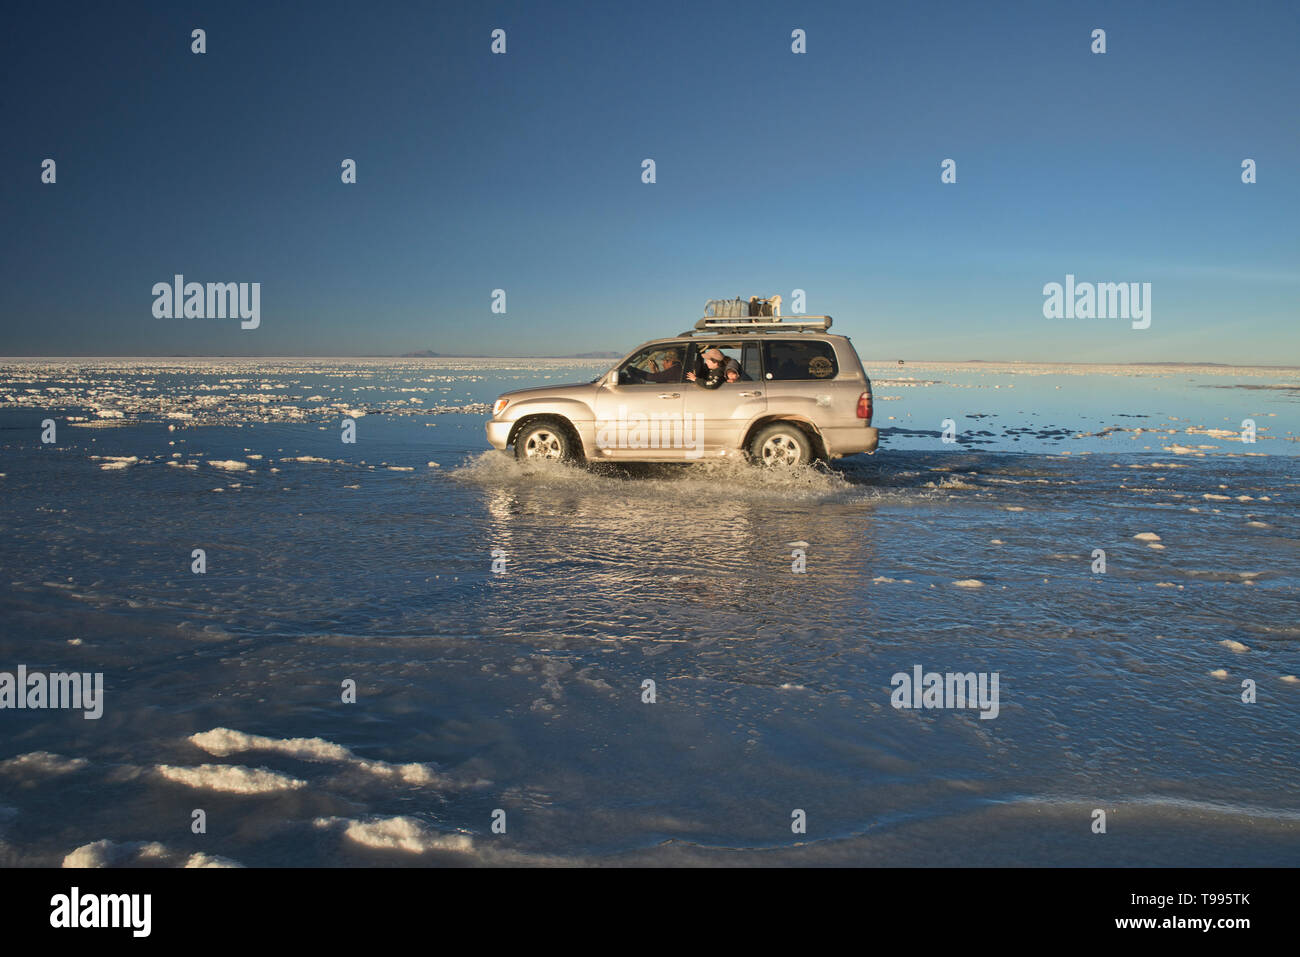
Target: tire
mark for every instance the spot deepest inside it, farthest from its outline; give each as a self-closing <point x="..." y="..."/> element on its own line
<point x="545" y="440"/>
<point x="781" y="445"/>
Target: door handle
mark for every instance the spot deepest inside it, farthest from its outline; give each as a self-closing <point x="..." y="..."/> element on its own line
<point x="670" y="395"/>
<point x="750" y="395"/>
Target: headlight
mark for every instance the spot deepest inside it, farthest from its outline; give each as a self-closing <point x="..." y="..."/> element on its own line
<point x="499" y="406"/>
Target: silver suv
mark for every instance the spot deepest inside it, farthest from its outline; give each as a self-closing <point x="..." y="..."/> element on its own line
<point x="780" y="392"/>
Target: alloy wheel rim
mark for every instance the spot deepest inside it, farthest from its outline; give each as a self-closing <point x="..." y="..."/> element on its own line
<point x="543" y="445"/>
<point x="781" y="450"/>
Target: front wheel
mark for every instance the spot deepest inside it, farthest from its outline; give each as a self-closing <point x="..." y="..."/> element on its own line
<point x="781" y="445"/>
<point x="544" y="439"/>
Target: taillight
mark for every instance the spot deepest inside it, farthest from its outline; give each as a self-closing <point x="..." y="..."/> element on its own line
<point x="864" y="406"/>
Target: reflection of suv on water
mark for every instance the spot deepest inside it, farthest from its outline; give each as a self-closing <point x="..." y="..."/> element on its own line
<point x="798" y="394"/>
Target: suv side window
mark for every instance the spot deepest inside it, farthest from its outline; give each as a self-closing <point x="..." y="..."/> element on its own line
<point x="739" y="355"/>
<point x="801" y="359"/>
<point x="662" y="364"/>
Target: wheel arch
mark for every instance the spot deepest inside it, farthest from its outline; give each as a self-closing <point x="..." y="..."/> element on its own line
<point x="561" y="422"/>
<point x="807" y="425"/>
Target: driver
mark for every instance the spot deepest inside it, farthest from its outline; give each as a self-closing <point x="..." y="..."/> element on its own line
<point x="670" y="368"/>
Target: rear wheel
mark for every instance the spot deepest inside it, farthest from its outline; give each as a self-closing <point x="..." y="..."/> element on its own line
<point x="781" y="445"/>
<point x="544" y="439"/>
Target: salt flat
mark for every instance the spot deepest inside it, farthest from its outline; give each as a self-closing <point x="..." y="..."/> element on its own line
<point x="524" y="691"/>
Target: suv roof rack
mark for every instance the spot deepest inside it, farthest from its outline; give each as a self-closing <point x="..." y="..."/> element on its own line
<point x="733" y="327"/>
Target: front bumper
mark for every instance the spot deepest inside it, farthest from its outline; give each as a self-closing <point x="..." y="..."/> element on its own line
<point x="498" y="433"/>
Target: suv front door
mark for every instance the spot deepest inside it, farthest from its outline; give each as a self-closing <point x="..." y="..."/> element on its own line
<point x="639" y="408"/>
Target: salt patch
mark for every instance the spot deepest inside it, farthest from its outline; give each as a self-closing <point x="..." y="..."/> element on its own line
<point x="397" y="833"/>
<point x="230" y="778"/>
<point x="40" y="764"/>
<point x="201" y="860"/>
<point x="222" y="742"/>
<point x="106" y="853"/>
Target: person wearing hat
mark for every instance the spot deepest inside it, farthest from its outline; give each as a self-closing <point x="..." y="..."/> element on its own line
<point x="715" y="366"/>
<point x="670" y="369"/>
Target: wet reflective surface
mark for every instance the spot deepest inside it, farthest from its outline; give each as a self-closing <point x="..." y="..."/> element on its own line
<point x="525" y="690"/>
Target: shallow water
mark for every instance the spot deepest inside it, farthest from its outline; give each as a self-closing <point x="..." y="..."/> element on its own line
<point x="523" y="691"/>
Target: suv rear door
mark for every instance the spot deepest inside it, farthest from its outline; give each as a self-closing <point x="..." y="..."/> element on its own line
<point x="720" y="416"/>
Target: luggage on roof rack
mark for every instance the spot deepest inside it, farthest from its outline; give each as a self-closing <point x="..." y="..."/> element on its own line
<point x="769" y="306"/>
<point x="753" y="308"/>
<point x="726" y="308"/>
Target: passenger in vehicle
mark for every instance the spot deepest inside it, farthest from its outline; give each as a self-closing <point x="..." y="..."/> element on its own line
<point x="713" y="376"/>
<point x="732" y="365"/>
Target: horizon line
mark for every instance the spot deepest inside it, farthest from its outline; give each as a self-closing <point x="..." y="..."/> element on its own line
<point x="612" y="355"/>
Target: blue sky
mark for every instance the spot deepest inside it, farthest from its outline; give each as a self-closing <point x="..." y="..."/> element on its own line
<point x="775" y="171"/>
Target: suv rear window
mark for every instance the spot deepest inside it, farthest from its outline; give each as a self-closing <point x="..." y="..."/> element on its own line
<point x="807" y="359"/>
